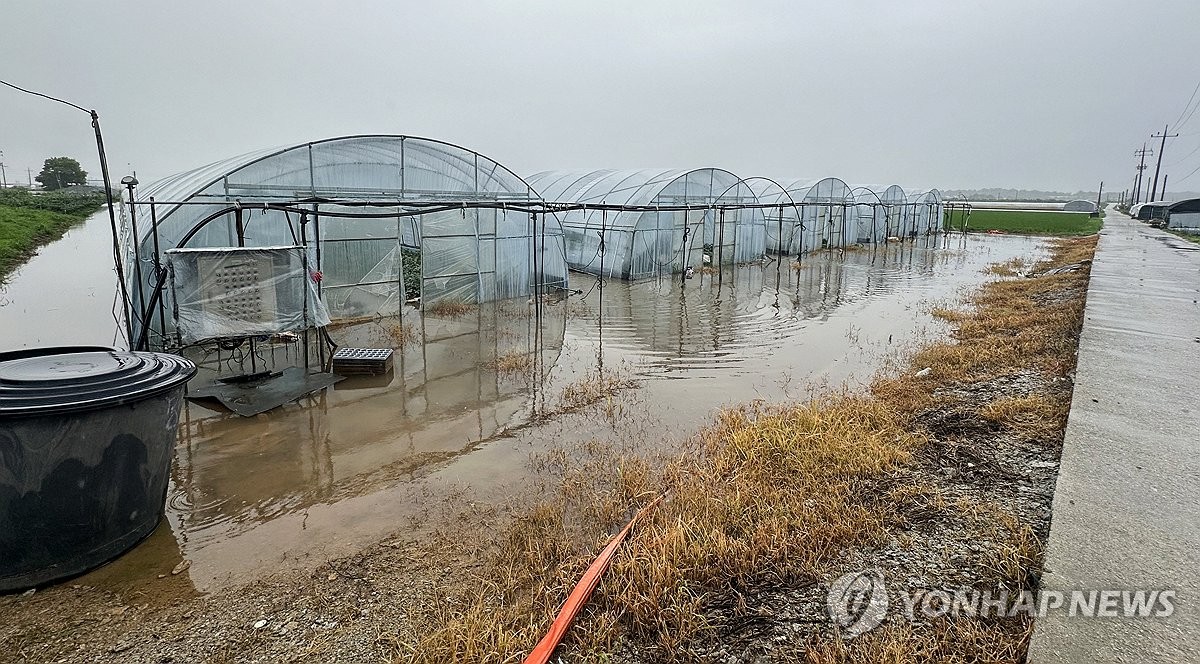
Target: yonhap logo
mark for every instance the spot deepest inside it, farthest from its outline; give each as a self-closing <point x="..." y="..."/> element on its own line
<point x="858" y="602"/>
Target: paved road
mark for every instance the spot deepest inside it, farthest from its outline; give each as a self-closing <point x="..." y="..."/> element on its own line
<point x="1127" y="506"/>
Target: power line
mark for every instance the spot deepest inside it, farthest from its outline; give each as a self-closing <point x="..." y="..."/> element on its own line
<point x="39" y="94"/>
<point x="1186" y="157"/>
<point x="1189" y="117"/>
<point x="1194" y="170"/>
<point x="1187" y="105"/>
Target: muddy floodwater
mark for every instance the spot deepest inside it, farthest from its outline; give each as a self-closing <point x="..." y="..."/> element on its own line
<point x="323" y="477"/>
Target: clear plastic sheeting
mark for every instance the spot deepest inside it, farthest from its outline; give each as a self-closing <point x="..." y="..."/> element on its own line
<point x="827" y="211"/>
<point x="237" y="292"/>
<point x="784" y="222"/>
<point x="869" y="219"/>
<point x="895" y="205"/>
<point x="634" y="244"/>
<point x="925" y="213"/>
<point x="372" y="257"/>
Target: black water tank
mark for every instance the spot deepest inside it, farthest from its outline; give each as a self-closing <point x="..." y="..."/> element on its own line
<point x="86" y="440"/>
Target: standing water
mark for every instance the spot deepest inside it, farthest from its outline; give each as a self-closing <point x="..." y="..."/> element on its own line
<point x="66" y="294"/>
<point x="342" y="468"/>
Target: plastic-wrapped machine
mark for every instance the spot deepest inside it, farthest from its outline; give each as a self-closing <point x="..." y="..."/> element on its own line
<point x="243" y="291"/>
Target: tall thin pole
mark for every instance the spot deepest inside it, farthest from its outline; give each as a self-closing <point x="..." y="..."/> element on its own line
<point x="1162" y="146"/>
<point x="112" y="221"/>
<point x="1098" y="195"/>
<point x="1137" y="181"/>
<point x="143" y="314"/>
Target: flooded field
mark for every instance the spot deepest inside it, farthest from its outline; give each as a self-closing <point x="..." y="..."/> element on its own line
<point x="473" y="397"/>
<point x="66" y="294"/>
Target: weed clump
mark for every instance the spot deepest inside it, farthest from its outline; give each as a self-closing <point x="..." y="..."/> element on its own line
<point x="449" y="309"/>
<point x="510" y="363"/>
<point x="402" y="335"/>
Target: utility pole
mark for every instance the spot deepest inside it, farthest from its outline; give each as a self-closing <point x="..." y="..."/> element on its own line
<point x="3" y="177"/>
<point x="1137" y="182"/>
<point x="29" y="174"/>
<point x="1163" y="194"/>
<point x="1161" y="148"/>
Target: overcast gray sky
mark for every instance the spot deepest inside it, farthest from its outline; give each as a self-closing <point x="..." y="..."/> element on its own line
<point x="953" y="94"/>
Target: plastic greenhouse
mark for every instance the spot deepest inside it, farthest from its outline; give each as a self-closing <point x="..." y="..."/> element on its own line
<point x="826" y="210"/>
<point x="633" y="244"/>
<point x="783" y="219"/>
<point x="925" y="213"/>
<point x="869" y="221"/>
<point x="344" y="200"/>
<point x="895" y="205"/>
<point x="810" y="214"/>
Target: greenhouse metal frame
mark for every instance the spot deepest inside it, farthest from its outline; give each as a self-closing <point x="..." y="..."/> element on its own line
<point x="722" y="225"/>
<point x="345" y="199"/>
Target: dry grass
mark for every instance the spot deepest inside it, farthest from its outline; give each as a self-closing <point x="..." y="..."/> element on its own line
<point x="402" y="335"/>
<point x="1010" y="268"/>
<point x="449" y="309"/>
<point x="953" y="641"/>
<point x="775" y="497"/>
<point x="1015" y="324"/>
<point x="511" y="363"/>
<point x="1035" y="416"/>
<point x="595" y="386"/>
<point x="771" y="497"/>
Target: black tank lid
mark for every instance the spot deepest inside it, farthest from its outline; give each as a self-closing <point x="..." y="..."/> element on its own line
<point x="45" y="381"/>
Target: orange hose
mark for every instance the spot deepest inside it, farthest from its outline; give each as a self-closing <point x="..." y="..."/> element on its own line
<point x="581" y="592"/>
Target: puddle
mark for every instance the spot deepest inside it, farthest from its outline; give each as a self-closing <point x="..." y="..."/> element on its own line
<point x="369" y="456"/>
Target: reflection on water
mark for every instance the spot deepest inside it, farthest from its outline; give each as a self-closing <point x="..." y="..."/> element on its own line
<point x="344" y="467"/>
<point x="65" y="294"/>
<point x="443" y="396"/>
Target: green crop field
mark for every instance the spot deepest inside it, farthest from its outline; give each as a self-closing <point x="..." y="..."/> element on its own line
<point x="29" y="220"/>
<point x="1028" y="222"/>
<point x="23" y="230"/>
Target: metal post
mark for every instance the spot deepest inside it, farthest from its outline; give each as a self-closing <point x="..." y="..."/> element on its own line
<point x="158" y="269"/>
<point x="304" y="245"/>
<point x="112" y="221"/>
<point x="130" y="182"/>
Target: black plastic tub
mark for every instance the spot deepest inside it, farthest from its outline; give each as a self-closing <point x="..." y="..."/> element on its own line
<point x="86" y="439"/>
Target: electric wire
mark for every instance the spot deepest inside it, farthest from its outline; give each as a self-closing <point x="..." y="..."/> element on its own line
<point x="1188" y="104"/>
